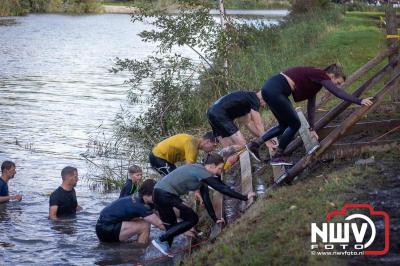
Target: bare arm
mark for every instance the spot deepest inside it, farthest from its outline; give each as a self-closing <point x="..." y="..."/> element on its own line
<point x="5" y="199"/>
<point x="53" y="212"/>
<point x="255" y="125"/>
<point x="154" y="220"/>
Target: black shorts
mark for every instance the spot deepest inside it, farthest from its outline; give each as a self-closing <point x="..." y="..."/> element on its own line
<point x="221" y="124"/>
<point x="163" y="167"/>
<point x="108" y="232"/>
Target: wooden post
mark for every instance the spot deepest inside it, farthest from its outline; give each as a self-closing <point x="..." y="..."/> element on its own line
<point x="247" y="178"/>
<point x="223" y="26"/>
<point x="310" y="143"/>
<point x="218" y="204"/>
<point x="339" y="131"/>
<point x="277" y="170"/>
<point x="393" y="43"/>
<point x="339" y="108"/>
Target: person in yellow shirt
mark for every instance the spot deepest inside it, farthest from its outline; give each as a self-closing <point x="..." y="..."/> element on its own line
<point x="179" y="148"/>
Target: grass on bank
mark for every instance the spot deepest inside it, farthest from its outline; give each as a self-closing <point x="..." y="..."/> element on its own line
<point x="276" y="230"/>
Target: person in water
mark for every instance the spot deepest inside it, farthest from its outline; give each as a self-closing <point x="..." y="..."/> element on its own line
<point x="8" y="171"/>
<point x="187" y="178"/>
<point x="129" y="216"/>
<point x="179" y="148"/>
<point x="132" y="183"/>
<point x="63" y="202"/>
<point x="303" y="83"/>
<point x="243" y="107"/>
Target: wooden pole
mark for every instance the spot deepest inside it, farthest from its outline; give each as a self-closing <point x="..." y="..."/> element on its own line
<point x="339" y="108"/>
<point x="340" y="131"/>
<point x="393" y="43"/>
<point x="223" y="26"/>
<point x="357" y="74"/>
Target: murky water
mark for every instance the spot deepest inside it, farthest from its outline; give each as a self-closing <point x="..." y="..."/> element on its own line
<point x="55" y="91"/>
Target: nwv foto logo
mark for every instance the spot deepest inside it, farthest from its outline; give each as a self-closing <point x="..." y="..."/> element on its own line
<point x="336" y="235"/>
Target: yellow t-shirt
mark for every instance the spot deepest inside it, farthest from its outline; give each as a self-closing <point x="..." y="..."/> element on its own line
<point x="178" y="148"/>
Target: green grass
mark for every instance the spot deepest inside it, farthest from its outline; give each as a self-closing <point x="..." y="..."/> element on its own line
<point x="276" y="230"/>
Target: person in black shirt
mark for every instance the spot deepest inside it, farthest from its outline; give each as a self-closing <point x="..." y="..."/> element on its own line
<point x="243" y="106"/>
<point x="132" y="183"/>
<point x="7" y="172"/>
<point x="63" y="200"/>
<point x="129" y="216"/>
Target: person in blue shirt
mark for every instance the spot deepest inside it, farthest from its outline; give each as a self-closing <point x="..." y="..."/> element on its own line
<point x="8" y="171"/>
<point x="129" y="216"/>
<point x="131" y="186"/>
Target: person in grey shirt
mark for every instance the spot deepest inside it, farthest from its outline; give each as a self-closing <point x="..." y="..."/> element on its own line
<point x="181" y="181"/>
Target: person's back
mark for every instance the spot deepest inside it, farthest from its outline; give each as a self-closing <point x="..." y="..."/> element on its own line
<point x="183" y="179"/>
<point x="177" y="148"/>
<point x="124" y="209"/>
<point x="237" y="104"/>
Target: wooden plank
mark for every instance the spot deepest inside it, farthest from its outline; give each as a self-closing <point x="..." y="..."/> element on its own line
<point x="277" y="170"/>
<point x="339" y="108"/>
<point x="340" y="131"/>
<point x="218" y="204"/>
<point x="246" y="176"/>
<point x="350" y="150"/>
<point x="393" y="43"/>
<point x="369" y="127"/>
<point x="310" y="143"/>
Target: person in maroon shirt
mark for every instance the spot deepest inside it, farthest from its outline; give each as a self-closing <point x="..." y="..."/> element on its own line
<point x="303" y="83"/>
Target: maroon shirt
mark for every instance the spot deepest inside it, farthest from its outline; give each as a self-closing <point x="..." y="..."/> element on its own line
<point x="307" y="81"/>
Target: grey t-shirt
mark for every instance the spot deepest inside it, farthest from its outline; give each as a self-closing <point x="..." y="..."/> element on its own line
<point x="183" y="179"/>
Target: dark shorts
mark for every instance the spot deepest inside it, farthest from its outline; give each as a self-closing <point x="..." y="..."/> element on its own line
<point x="221" y="124"/>
<point x="163" y="167"/>
<point x="108" y="232"/>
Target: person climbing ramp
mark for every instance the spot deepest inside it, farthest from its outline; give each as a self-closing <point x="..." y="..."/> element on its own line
<point x="242" y="107"/>
<point x="179" y="182"/>
<point x="303" y="83"/>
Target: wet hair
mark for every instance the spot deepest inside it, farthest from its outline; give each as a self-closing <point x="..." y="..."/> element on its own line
<point x="133" y="169"/>
<point x="68" y="170"/>
<point x="213" y="158"/>
<point x="210" y="136"/>
<point x="7" y="165"/>
<point x="336" y="70"/>
<point x="146" y="189"/>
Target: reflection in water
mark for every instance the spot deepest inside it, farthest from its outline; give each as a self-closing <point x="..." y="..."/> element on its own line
<point x="65" y="226"/>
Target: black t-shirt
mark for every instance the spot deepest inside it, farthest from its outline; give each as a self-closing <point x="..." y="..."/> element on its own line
<point x="65" y="200"/>
<point x="3" y="188"/>
<point x="128" y="189"/>
<point x="237" y="104"/>
<point x="124" y="209"/>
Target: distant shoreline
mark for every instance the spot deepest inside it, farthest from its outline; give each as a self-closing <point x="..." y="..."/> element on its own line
<point x="110" y="9"/>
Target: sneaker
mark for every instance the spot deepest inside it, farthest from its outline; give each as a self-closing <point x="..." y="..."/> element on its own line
<point x="163" y="247"/>
<point x="253" y="147"/>
<point x="280" y="160"/>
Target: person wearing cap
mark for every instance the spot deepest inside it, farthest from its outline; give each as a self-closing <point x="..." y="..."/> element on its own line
<point x="132" y="183"/>
<point x="179" y="148"/>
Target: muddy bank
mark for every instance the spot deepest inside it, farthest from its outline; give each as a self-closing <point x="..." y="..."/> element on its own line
<point x="384" y="194"/>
